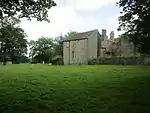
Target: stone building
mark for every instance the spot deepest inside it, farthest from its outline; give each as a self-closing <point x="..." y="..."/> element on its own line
<point x="121" y="46"/>
<point x="80" y="47"/>
<point x="112" y="35"/>
<point x="127" y="47"/>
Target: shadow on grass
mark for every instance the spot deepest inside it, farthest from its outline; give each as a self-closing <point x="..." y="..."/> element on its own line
<point x="131" y="95"/>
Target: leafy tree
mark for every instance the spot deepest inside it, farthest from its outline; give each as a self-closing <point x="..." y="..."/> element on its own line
<point x="24" y="59"/>
<point x="48" y="49"/>
<point x="135" y="21"/>
<point x="68" y="34"/>
<point x="12" y="42"/>
<point x="26" y="8"/>
<point x="58" y="50"/>
<point x="58" y="47"/>
<point x="41" y="50"/>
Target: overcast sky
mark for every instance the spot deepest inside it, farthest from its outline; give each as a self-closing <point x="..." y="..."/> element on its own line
<point x="75" y="15"/>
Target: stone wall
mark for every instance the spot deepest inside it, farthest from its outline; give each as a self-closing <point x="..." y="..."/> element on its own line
<point x="127" y="47"/>
<point x="119" y="47"/>
<point x="92" y="45"/>
<point x="66" y="47"/>
<point x="79" y="51"/>
<point x="121" y="61"/>
<point x="75" y="52"/>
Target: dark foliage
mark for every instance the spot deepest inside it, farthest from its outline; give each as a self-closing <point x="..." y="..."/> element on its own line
<point x="13" y="44"/>
<point x="41" y="50"/>
<point x="48" y="50"/>
<point x="135" y="21"/>
<point x="26" y="8"/>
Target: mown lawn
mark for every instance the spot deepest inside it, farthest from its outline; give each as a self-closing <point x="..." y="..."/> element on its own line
<point x="74" y="89"/>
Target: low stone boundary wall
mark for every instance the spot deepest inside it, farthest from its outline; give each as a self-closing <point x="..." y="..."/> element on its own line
<point x="121" y="61"/>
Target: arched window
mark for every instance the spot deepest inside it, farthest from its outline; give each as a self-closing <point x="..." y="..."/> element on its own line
<point x="73" y="55"/>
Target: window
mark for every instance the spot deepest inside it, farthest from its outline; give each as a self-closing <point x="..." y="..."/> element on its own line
<point x="73" y="55"/>
<point x="73" y="45"/>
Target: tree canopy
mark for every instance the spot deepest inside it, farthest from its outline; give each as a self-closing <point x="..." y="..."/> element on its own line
<point x="26" y="8"/>
<point x="48" y="49"/>
<point x="41" y="50"/>
<point x="135" y="21"/>
<point x="13" y="44"/>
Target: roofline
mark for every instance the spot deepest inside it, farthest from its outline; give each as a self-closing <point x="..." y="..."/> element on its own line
<point x="68" y="40"/>
<point x="73" y="39"/>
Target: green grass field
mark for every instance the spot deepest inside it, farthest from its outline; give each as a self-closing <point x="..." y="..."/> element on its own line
<point x="74" y="89"/>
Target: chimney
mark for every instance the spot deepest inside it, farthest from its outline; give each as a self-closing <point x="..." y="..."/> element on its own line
<point x="104" y="32"/>
<point x="112" y="35"/>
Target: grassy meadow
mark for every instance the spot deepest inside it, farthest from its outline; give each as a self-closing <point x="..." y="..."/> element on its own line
<point x="26" y="88"/>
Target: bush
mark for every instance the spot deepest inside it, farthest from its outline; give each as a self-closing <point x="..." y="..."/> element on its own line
<point x="92" y="61"/>
<point x="57" y="60"/>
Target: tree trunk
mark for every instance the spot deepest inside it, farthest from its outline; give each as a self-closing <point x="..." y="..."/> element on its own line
<point x="13" y="62"/>
<point x="4" y="60"/>
<point x="4" y="63"/>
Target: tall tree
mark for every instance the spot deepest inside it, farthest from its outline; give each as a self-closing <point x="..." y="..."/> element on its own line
<point x="41" y="50"/>
<point x="58" y="46"/>
<point x="26" y="8"/>
<point x="135" y="21"/>
<point x="13" y="44"/>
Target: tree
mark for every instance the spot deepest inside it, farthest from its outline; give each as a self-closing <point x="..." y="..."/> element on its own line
<point x="48" y="49"/>
<point x="68" y="34"/>
<point x="59" y="43"/>
<point x="135" y="21"/>
<point x="13" y="44"/>
<point x="58" y="46"/>
<point x="24" y="59"/>
<point x="41" y="50"/>
<point x="26" y="8"/>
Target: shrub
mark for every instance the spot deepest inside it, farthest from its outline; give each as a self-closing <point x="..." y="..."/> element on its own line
<point x="57" y="60"/>
<point x="93" y="61"/>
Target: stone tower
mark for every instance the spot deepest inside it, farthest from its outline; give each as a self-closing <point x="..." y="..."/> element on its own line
<point x="104" y="36"/>
<point x="112" y="35"/>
